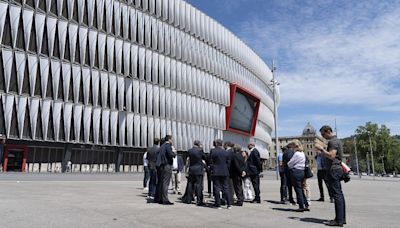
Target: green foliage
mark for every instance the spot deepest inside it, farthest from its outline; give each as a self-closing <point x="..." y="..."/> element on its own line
<point x="383" y="146"/>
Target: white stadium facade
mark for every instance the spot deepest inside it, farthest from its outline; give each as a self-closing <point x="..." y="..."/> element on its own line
<point x="87" y="84"/>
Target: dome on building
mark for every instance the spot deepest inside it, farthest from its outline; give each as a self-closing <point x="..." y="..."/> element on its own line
<point x="309" y="130"/>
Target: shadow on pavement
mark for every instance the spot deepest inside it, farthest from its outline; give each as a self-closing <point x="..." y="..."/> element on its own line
<point x="284" y="209"/>
<point x="310" y="220"/>
<point x="274" y="202"/>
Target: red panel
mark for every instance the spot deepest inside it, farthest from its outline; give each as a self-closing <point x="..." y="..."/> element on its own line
<point x="24" y="149"/>
<point x="5" y="159"/>
<point x="233" y="88"/>
<point x="24" y="158"/>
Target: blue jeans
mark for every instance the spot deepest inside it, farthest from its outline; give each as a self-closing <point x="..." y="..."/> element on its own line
<point x="146" y="176"/>
<point x="152" y="182"/>
<point x="297" y="181"/>
<point x="334" y="175"/>
<point x="283" y="188"/>
<point x="289" y="184"/>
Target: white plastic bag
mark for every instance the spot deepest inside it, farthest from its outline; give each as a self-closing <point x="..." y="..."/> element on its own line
<point x="248" y="190"/>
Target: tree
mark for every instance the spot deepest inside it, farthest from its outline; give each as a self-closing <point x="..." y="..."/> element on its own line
<point x="385" y="148"/>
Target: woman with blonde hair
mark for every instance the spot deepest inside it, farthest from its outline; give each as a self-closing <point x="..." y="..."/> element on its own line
<point x="297" y="165"/>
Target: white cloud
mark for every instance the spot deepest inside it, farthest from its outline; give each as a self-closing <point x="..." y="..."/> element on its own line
<point x="352" y="58"/>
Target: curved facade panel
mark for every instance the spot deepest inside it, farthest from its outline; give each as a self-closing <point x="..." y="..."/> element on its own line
<point x="148" y="68"/>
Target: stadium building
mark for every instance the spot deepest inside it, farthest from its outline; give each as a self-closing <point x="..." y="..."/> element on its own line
<point x="86" y="85"/>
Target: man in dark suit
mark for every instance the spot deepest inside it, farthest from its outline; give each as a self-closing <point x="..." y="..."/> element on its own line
<point x="237" y="172"/>
<point x="208" y="173"/>
<point x="151" y="158"/>
<point x="285" y="159"/>
<point x="220" y="160"/>
<point x="196" y="170"/>
<point x="228" y="146"/>
<point x="164" y="163"/>
<point x="254" y="168"/>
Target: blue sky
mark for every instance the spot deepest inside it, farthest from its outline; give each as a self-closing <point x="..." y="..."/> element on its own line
<point x="336" y="59"/>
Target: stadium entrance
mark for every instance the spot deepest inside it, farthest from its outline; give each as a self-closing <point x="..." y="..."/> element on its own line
<point x="15" y="158"/>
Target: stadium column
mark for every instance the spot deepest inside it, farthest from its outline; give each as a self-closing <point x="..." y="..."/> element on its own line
<point x="119" y="157"/>
<point x="67" y="157"/>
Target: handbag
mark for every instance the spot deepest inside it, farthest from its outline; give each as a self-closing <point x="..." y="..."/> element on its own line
<point x="248" y="189"/>
<point x="346" y="172"/>
<point x="345" y="168"/>
<point x="307" y="170"/>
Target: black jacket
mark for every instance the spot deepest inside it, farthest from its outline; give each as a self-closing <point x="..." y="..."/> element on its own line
<point x="165" y="155"/>
<point x="254" y="163"/>
<point x="237" y="165"/>
<point x="196" y="155"/>
<point x="287" y="156"/>
<point x="152" y="156"/>
<point x="220" y="161"/>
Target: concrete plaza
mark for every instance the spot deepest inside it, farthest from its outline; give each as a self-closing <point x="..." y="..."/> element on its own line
<point x="117" y="200"/>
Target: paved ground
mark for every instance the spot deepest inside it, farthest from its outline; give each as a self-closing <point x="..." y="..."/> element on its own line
<point x="117" y="200"/>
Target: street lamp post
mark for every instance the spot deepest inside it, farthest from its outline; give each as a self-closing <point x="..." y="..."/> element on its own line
<point x="274" y="84"/>
<point x="355" y="150"/>
<point x="368" y="167"/>
<point x="372" y="155"/>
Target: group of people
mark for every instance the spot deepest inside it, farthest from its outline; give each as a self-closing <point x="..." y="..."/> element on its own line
<point x="293" y="169"/>
<point x="226" y="166"/>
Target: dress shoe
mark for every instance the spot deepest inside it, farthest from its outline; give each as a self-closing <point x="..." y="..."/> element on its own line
<point x="168" y="203"/>
<point x="201" y="204"/>
<point x="321" y="200"/>
<point x="344" y="222"/>
<point x="334" y="223"/>
<point x="299" y="210"/>
<point x="306" y="209"/>
<point x="256" y="201"/>
<point x="239" y="204"/>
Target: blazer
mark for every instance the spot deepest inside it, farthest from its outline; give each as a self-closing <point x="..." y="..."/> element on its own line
<point x="237" y="165"/>
<point x="221" y="161"/>
<point x="152" y="156"/>
<point x="196" y="157"/>
<point x="254" y="163"/>
<point x="165" y="155"/>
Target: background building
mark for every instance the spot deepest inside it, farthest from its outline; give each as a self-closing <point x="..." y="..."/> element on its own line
<point x="308" y="138"/>
<point x="92" y="82"/>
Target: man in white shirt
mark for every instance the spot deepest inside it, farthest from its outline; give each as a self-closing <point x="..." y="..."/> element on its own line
<point x="146" y="172"/>
<point x="177" y="168"/>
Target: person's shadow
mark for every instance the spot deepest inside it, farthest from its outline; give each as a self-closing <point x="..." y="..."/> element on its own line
<point x="283" y="209"/>
<point x="274" y="202"/>
<point x="310" y="220"/>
